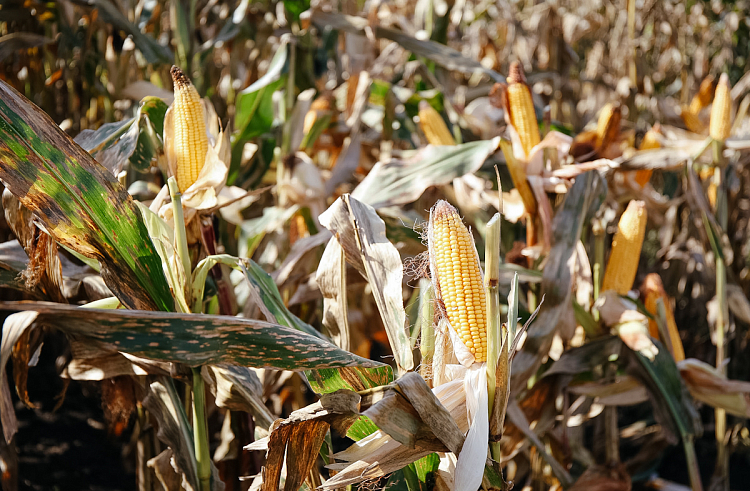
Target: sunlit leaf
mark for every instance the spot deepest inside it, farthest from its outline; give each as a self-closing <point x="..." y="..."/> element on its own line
<point x="193" y="339"/>
<point x="80" y="203"/>
<point x="400" y="182"/>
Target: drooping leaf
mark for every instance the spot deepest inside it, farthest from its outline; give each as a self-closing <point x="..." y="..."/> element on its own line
<point x="361" y="234"/>
<point x="262" y="288"/>
<point x="193" y="339"/>
<point x="673" y="407"/>
<point x="136" y="140"/>
<point x="164" y="403"/>
<point x="238" y="389"/>
<point x="403" y="181"/>
<point x="582" y="200"/>
<point x="80" y="203"/>
<point x="710" y="386"/>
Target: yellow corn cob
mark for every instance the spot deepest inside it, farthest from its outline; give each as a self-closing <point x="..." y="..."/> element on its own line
<point x="521" y="108"/>
<point x="650" y="141"/>
<point x="704" y="95"/>
<point x="190" y="138"/>
<point x="692" y="120"/>
<point x="626" y="249"/>
<point x="721" y="111"/>
<point x="459" y="278"/>
<point x="608" y="125"/>
<point x="652" y="290"/>
<point x="434" y="126"/>
<point x="518" y="174"/>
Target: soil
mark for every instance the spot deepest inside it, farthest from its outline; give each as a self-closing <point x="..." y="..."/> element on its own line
<point x="71" y="448"/>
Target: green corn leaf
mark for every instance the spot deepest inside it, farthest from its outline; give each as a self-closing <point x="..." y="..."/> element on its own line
<point x="80" y="203"/>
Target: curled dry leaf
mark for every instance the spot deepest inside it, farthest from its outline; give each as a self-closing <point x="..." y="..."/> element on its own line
<point x="361" y="233"/>
<point x="710" y="386"/>
<point x="296" y="440"/>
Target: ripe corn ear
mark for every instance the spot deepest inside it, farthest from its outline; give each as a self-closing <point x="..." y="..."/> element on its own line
<point x="608" y="125"/>
<point x="518" y="174"/>
<point x="433" y="125"/>
<point x="704" y="95"/>
<point x="650" y="141"/>
<point x="626" y="249"/>
<point x="521" y="108"/>
<point x="651" y="291"/>
<point x="459" y="278"/>
<point x="190" y="138"/>
<point x="721" y="112"/>
<point x="692" y="121"/>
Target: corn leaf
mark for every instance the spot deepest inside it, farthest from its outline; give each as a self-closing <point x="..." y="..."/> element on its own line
<point x="80" y="203"/>
<point x="403" y="181"/>
<point x="361" y="233"/>
<point x="136" y="140"/>
<point x="581" y="202"/>
<point x="192" y="339"/>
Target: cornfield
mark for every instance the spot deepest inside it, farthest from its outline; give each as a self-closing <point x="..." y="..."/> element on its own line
<point x="417" y="245"/>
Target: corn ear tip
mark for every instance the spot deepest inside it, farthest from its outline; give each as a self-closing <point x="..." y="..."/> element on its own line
<point x="515" y="73"/>
<point x="723" y="80"/>
<point x="178" y="77"/>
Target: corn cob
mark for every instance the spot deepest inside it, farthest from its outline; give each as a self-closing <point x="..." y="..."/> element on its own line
<point x="652" y="290"/>
<point x="459" y="278"/>
<point x="190" y="138"/>
<point x="608" y="125"/>
<point x="721" y="111"/>
<point x="434" y="126"/>
<point x="692" y="121"/>
<point x="518" y="174"/>
<point x="704" y="95"/>
<point x="521" y="108"/>
<point x="650" y="141"/>
<point x="626" y="249"/>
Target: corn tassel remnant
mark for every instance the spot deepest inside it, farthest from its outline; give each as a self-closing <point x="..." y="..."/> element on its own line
<point x="518" y="174"/>
<point x="433" y="126"/>
<point x="652" y="290"/>
<point x="459" y="278"/>
<point x="721" y="112"/>
<point x="521" y="108"/>
<point x="608" y="125"/>
<point x="626" y="249"/>
<point x="190" y="138"/>
<point x="650" y="142"/>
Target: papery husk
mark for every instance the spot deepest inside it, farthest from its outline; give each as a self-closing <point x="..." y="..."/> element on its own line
<point x="471" y="460"/>
<point x="378" y="454"/>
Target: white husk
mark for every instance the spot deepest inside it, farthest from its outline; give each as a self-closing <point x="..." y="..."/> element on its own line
<point x="470" y="465"/>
